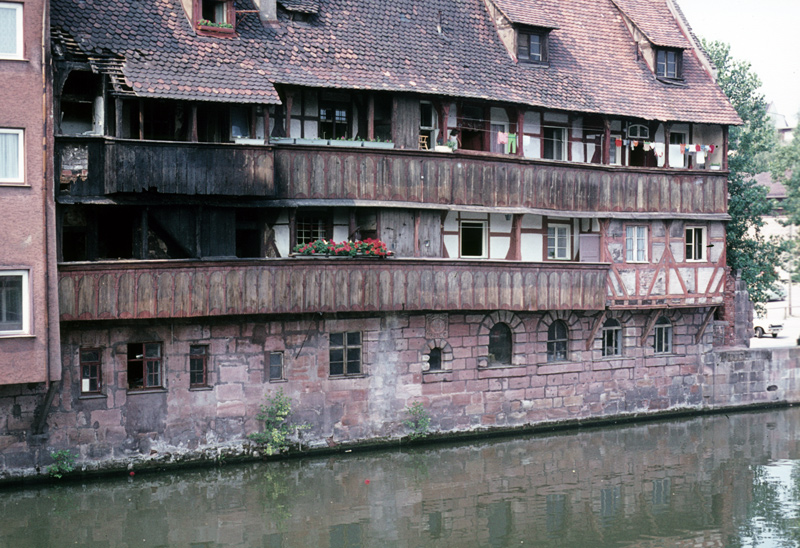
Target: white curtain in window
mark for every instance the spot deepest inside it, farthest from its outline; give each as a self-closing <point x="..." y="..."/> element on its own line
<point x="8" y="30"/>
<point x="9" y="156"/>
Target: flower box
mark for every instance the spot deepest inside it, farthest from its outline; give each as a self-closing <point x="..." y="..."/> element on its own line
<point x="368" y="248"/>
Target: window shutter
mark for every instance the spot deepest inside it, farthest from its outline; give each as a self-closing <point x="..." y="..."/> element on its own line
<point x="590" y="248"/>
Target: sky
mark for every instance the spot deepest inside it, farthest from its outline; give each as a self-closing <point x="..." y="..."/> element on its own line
<point x="765" y="33"/>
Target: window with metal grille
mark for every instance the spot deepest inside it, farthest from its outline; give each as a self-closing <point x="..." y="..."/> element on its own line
<point x="612" y="338"/>
<point x="91" y="371"/>
<point x="276" y="372"/>
<point x="144" y="366"/>
<point x="662" y="341"/>
<point x="198" y="365"/>
<point x="500" y="344"/>
<point x="557" y="337"/>
<point x="345" y="354"/>
<point x="310" y="228"/>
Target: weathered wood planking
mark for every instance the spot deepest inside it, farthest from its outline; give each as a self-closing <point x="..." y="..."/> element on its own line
<point x="194" y="289"/>
<point x="465" y="179"/>
<point x="117" y="165"/>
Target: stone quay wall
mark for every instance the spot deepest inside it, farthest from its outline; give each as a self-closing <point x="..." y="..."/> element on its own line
<point x="119" y="427"/>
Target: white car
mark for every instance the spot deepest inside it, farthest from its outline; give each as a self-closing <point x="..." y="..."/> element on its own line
<point x="763" y="327"/>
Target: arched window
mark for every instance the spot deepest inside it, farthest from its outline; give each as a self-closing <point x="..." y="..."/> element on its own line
<point x="557" y="335"/>
<point x="612" y="338"/>
<point x="500" y="344"/>
<point x="663" y="336"/>
<point x="435" y="359"/>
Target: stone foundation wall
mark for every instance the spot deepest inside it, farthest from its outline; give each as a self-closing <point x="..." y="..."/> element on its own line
<point x="470" y="392"/>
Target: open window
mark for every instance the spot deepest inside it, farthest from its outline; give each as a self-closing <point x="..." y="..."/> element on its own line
<point x="554" y="143"/>
<point x="334" y="120"/>
<point x="669" y="63"/>
<point x="215" y="15"/>
<point x="473" y="237"/>
<point x="695" y="243"/>
<point x="532" y="46"/>
<point x="144" y="366"/>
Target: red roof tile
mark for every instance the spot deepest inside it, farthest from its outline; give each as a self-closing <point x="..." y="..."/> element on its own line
<point x="655" y="20"/>
<point x="393" y="46"/>
<point x="535" y="13"/>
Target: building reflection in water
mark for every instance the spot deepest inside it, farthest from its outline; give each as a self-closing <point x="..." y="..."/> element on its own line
<point x="711" y="481"/>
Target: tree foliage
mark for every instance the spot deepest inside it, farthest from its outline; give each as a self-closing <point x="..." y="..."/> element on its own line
<point x="751" y="145"/>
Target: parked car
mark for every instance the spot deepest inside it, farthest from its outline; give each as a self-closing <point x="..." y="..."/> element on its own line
<point x="762" y="326"/>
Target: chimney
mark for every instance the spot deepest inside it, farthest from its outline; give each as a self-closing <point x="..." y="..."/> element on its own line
<point x="268" y="9"/>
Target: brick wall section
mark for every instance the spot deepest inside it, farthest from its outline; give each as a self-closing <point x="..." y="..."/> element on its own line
<point x="182" y="423"/>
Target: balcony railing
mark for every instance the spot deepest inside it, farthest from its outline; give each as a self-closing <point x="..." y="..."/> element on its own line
<point x="94" y="166"/>
<point x="184" y="289"/>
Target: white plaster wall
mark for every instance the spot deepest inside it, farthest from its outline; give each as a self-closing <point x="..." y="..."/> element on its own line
<point x="499" y="223"/>
<point x="499" y="246"/>
<point x="532" y="221"/>
<point x="531" y="247"/>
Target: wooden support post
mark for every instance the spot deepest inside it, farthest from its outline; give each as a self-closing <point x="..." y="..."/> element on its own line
<point x="443" y="124"/>
<point x="691" y="157"/>
<point x="352" y="227"/>
<point x="143" y="248"/>
<point x="292" y="228"/>
<point x="703" y="327"/>
<point x="118" y="117"/>
<point x="515" y="247"/>
<point x="193" y="136"/>
<point x="724" y="148"/>
<point x="667" y="130"/>
<point x="253" y="115"/>
<point x="598" y="323"/>
<point x="416" y="232"/>
<point x="371" y="117"/>
<point x="606" y="141"/>
<point x="288" y="117"/>
<point x="520" y="131"/>
<point x="651" y="322"/>
<point x="141" y="120"/>
<point x="266" y="123"/>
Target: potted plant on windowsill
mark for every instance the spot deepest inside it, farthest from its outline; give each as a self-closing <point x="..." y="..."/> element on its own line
<point x="368" y="248"/>
<point x="214" y="28"/>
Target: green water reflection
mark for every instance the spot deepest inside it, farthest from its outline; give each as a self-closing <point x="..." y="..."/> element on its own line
<point x="722" y="481"/>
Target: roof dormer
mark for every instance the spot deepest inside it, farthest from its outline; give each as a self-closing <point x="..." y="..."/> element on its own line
<point x="524" y="29"/>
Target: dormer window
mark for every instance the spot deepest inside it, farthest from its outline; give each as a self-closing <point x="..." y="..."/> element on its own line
<point x="669" y="63"/>
<point x="532" y="46"/>
<point x="214" y="15"/>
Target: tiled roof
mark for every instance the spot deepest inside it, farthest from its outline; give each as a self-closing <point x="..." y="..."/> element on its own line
<point x="527" y="12"/>
<point x="649" y="16"/>
<point x="393" y="46"/>
<point x="300" y="6"/>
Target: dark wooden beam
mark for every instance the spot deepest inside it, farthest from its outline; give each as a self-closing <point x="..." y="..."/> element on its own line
<point x="598" y="323"/>
<point x="651" y="322"/>
<point x="141" y="120"/>
<point x="667" y="130"/>
<point x="724" y="148"/>
<point x="606" y="141"/>
<point x="520" y="131"/>
<point x="371" y="117"/>
<point x="703" y="327"/>
<point x="193" y="124"/>
<point x="288" y="119"/>
<point x="118" y="117"/>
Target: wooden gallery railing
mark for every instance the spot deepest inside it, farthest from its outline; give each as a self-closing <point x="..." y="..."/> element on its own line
<point x="273" y="286"/>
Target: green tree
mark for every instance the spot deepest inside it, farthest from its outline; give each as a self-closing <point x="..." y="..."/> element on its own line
<point x="751" y="146"/>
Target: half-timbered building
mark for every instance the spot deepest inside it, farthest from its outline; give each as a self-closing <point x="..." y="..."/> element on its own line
<point x="549" y="175"/>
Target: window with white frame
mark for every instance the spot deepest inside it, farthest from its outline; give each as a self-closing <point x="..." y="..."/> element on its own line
<point x="695" y="243"/>
<point x="554" y="143"/>
<point x="12" y="156"/>
<point x="11" y="46"/>
<point x="14" y="303"/>
<point x="636" y="244"/>
<point x="558" y="242"/>
<point x="662" y="340"/>
<point x="472" y="236"/>
<point x="612" y="338"/>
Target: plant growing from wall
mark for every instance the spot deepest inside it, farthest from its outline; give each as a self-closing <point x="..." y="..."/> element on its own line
<point x="63" y="463"/>
<point x="275" y="413"/>
<point x="418" y="421"/>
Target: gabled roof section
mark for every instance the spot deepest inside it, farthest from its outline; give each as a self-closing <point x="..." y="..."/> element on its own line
<point x="533" y="13"/>
<point x="444" y="48"/>
<point x="300" y="6"/>
<point x="654" y="19"/>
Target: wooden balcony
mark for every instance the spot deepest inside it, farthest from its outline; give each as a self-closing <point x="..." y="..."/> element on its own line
<point x="185" y="289"/>
<point x="490" y="180"/>
<point x="95" y="166"/>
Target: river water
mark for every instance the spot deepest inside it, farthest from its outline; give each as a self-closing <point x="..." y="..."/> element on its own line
<point x="719" y="481"/>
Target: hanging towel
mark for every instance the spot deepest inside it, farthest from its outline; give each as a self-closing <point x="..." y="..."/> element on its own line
<point x="502" y="138"/>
